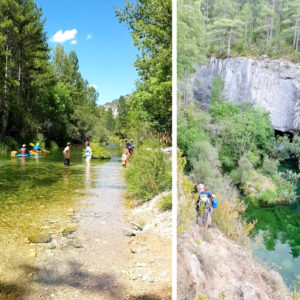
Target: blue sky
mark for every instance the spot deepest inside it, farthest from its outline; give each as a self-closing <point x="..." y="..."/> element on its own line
<point x="103" y="45"/>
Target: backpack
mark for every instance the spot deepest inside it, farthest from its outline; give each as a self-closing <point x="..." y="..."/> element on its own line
<point x="215" y="203"/>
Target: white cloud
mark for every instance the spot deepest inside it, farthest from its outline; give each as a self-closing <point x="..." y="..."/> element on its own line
<point x="73" y="42"/>
<point x="94" y="86"/>
<point x="62" y="36"/>
<point x="89" y="36"/>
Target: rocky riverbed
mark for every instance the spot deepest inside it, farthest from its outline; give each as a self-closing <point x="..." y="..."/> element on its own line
<point x="98" y="253"/>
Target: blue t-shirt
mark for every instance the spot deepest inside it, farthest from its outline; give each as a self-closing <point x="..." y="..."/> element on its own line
<point x="36" y="147"/>
<point x="207" y="193"/>
<point x="215" y="203"/>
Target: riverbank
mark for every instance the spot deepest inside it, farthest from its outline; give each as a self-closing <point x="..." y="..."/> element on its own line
<point x="211" y="265"/>
<point x="149" y="265"/>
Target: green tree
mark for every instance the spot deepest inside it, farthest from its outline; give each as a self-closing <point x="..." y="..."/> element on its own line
<point x="122" y="116"/>
<point x="190" y="42"/>
<point x="150" y="24"/>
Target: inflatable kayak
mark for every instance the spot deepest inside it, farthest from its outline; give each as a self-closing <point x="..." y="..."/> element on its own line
<point x="20" y="155"/>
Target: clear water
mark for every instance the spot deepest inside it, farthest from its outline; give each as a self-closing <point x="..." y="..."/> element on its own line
<point x="38" y="196"/>
<point x="276" y="235"/>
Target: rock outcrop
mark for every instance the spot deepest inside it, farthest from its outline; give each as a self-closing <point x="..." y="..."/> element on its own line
<point x="272" y="84"/>
<point x="211" y="265"/>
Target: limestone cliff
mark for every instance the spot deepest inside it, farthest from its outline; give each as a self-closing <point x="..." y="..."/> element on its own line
<point x="272" y="84"/>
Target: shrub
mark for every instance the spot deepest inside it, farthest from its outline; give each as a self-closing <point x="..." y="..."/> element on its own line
<point x="186" y="199"/>
<point x="3" y="148"/>
<point x="244" y="169"/>
<point x="53" y="146"/>
<point x="8" y="144"/>
<point x="227" y="216"/>
<point x="270" y="166"/>
<point x="99" y="152"/>
<point x="149" y="172"/>
<point x="204" y="160"/>
<point x="165" y="203"/>
<point x="285" y="190"/>
<point x="267" y="197"/>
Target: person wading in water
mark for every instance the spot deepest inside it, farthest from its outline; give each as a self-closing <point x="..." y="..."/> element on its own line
<point x="164" y="139"/>
<point x="66" y="153"/>
<point x="88" y="152"/>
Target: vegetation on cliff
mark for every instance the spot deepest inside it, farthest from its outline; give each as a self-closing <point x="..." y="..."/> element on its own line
<point x="232" y="28"/>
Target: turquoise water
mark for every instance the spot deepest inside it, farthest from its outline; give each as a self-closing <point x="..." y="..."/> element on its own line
<point x="276" y="235"/>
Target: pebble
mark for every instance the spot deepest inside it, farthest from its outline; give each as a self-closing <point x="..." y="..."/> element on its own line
<point x="141" y="264"/>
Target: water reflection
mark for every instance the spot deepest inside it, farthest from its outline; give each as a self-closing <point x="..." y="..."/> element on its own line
<point x="66" y="176"/>
<point x="87" y="175"/>
<point x="277" y="235"/>
<point x="276" y="224"/>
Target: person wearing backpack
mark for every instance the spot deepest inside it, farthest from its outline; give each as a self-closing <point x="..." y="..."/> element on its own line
<point x="213" y="206"/>
<point x="203" y="205"/>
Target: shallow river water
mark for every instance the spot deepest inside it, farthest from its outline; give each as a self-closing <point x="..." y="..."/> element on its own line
<point x="276" y="236"/>
<point x="48" y="214"/>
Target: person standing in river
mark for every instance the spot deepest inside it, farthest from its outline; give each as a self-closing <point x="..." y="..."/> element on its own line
<point x="88" y="152"/>
<point x="66" y="153"/>
<point x="164" y="139"/>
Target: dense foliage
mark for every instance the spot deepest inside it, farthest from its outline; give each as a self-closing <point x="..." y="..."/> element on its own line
<point x="243" y="27"/>
<point x="150" y="24"/>
<point x="233" y="146"/>
<point x="149" y="172"/>
<point x="42" y="100"/>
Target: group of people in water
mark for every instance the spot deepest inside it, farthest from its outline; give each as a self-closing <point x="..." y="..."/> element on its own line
<point x="24" y="150"/>
<point x="87" y="153"/>
<point x="205" y="206"/>
<point x="127" y="151"/>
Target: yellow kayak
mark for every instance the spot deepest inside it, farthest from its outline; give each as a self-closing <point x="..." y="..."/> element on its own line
<point x="39" y="152"/>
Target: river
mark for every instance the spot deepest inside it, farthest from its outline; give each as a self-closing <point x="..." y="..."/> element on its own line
<point x="276" y="235"/>
<point x="42" y="203"/>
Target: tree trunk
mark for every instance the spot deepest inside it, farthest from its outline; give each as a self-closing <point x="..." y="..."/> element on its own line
<point x="296" y="33"/>
<point x="229" y="41"/>
<point x="19" y="72"/>
<point x="272" y="22"/>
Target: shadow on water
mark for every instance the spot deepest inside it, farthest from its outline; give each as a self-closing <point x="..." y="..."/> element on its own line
<point x="276" y="236"/>
<point x="75" y="277"/>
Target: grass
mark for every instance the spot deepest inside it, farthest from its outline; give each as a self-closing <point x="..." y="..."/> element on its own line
<point x="149" y="173"/>
<point x="165" y="203"/>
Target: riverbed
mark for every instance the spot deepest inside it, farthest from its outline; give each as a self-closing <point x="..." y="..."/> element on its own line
<point x="276" y="235"/>
<point x="48" y="212"/>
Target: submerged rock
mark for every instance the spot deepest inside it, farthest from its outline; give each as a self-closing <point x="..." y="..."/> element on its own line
<point x="40" y="238"/>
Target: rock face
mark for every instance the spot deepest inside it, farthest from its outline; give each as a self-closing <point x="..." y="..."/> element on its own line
<point x="272" y="84"/>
